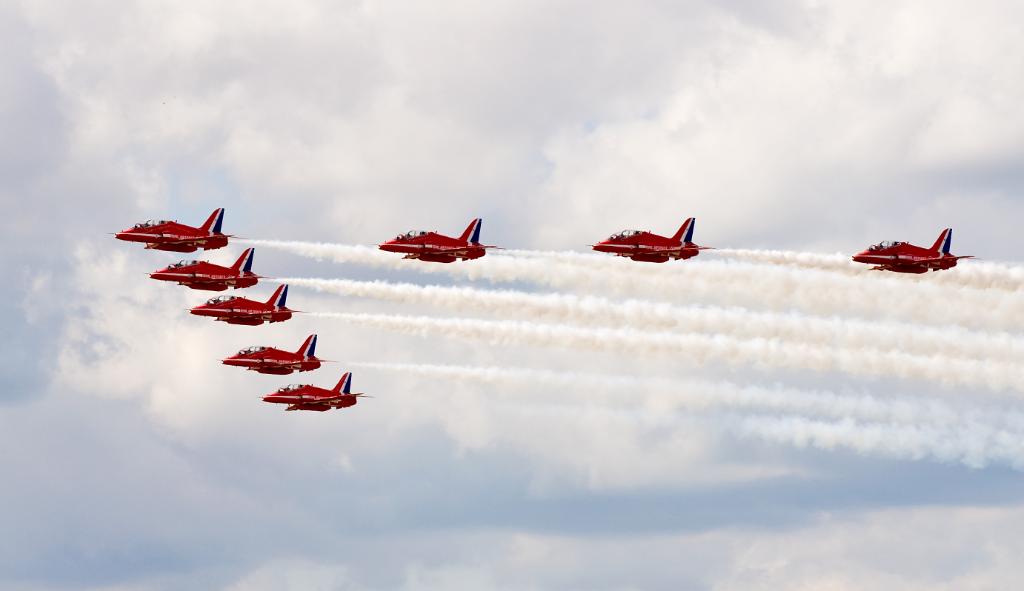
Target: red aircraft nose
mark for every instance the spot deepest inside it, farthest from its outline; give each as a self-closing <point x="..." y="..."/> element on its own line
<point x="862" y="256"/>
<point x="129" y="236"/>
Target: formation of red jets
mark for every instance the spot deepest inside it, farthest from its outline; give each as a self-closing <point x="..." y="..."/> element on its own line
<point x="173" y="236"/>
<point x="638" y="245"/>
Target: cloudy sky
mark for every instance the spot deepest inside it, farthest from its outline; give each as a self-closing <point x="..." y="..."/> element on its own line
<point x="599" y="459"/>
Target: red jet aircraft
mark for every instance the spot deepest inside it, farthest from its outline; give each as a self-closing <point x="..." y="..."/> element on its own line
<point x="238" y="310"/>
<point x="170" y="235"/>
<point x="275" y="361"/>
<point x="903" y="257"/>
<point x="642" y="245"/>
<point x="438" y="248"/>
<point x="210" y="277"/>
<point x="306" y="397"/>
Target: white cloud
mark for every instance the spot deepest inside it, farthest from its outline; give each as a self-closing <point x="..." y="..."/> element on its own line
<point x="783" y="124"/>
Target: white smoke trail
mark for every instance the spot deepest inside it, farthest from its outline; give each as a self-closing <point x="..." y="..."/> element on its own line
<point x="699" y="349"/>
<point x="721" y="282"/>
<point x="972" y="444"/>
<point x="899" y="428"/>
<point x="951" y="342"/>
<point x="975" y="274"/>
<point x="702" y="395"/>
<point x="975" y="446"/>
<point x="825" y="262"/>
<point x="494" y="268"/>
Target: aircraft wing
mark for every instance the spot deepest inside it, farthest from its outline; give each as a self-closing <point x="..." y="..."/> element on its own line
<point x="329" y="399"/>
<point x="182" y="240"/>
<point x="652" y="249"/>
<point x="940" y="259"/>
<point x="457" y="249"/>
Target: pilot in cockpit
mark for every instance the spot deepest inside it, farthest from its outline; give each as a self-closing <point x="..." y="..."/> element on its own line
<point x="151" y="223"/>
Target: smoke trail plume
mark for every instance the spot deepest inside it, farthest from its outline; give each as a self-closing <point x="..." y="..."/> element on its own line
<point x="951" y="342"/>
<point x="698" y="349"/>
<point x="905" y="429"/>
<point x="721" y="282"/>
<point x="702" y="395"/>
<point x="975" y="274"/>
<point x="972" y="444"/>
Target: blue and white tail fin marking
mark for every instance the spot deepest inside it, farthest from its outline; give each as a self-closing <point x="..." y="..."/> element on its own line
<point x="279" y="297"/>
<point x="308" y="348"/>
<point x="944" y="242"/>
<point x="345" y="385"/>
<point x="472" y="233"/>
<point x="220" y="222"/>
<point x="685" y="232"/>
<point x="214" y="222"/>
<point x="244" y="262"/>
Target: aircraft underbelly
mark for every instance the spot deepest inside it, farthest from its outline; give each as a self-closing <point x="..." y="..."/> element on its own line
<point x="650" y="258"/>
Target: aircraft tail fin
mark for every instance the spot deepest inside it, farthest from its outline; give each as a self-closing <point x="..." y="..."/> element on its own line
<point x="472" y="233"/>
<point x="308" y="348"/>
<point x="345" y="384"/>
<point x="944" y="241"/>
<point x="244" y="262"/>
<point x="279" y="297"/>
<point x="214" y="222"/>
<point x="685" y="232"/>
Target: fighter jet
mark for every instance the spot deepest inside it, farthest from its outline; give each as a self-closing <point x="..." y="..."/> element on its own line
<point x="903" y="257"/>
<point x="238" y="310"/>
<point x="438" y="248"/>
<point x="210" y="277"/>
<point x="177" y="237"/>
<point x="643" y="245"/>
<point x="275" y="361"/>
<point x="306" y="397"/>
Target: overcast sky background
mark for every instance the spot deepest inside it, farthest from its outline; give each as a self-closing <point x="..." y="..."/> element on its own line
<point x="133" y="460"/>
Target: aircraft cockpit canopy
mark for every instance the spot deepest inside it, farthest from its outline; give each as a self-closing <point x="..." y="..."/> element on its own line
<point x="219" y="299"/>
<point x="411" y="234"/>
<point x="624" y="234"/>
<point x="885" y="244"/>
<point x="184" y="264"/>
<point x="151" y="223"/>
<point x="254" y="349"/>
<point x="291" y="388"/>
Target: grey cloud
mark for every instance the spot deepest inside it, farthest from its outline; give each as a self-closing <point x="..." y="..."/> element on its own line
<point x="143" y="464"/>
